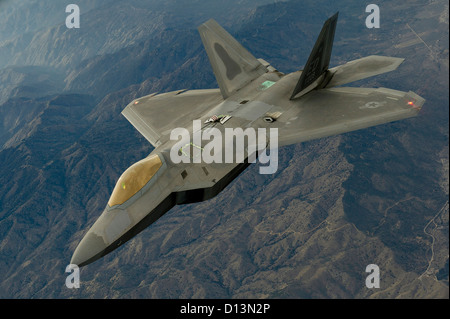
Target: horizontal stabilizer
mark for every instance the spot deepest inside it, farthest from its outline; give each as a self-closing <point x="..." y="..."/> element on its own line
<point x="362" y="68"/>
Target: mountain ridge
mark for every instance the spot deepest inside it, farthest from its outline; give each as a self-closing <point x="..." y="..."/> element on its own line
<point x="334" y="206"/>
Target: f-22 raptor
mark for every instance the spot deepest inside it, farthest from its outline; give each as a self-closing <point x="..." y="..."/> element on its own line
<point x="303" y="105"/>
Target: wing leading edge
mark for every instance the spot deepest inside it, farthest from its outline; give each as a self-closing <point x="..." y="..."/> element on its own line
<point x="155" y="115"/>
<point x="339" y="110"/>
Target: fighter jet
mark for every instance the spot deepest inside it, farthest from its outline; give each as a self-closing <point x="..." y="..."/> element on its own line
<point x="303" y="105"/>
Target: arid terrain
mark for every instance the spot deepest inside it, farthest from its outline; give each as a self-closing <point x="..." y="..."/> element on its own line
<point x="335" y="205"/>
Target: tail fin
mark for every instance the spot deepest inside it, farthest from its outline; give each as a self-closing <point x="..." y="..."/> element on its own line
<point x="318" y="60"/>
<point x="233" y="65"/>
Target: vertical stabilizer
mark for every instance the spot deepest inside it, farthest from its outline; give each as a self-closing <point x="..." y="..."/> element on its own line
<point x="233" y="66"/>
<point x="318" y="61"/>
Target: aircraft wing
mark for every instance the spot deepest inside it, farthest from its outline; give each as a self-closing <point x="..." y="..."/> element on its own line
<point x="334" y="111"/>
<point x="155" y="115"/>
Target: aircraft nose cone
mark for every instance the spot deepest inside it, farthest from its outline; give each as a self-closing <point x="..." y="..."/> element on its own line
<point x="88" y="250"/>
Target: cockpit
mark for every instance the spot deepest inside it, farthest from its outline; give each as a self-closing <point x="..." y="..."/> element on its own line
<point x="134" y="179"/>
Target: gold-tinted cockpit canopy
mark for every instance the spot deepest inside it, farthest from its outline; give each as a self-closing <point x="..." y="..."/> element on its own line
<point x="134" y="179"/>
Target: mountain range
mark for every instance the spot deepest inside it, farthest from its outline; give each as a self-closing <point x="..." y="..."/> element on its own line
<point x="335" y="205"/>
